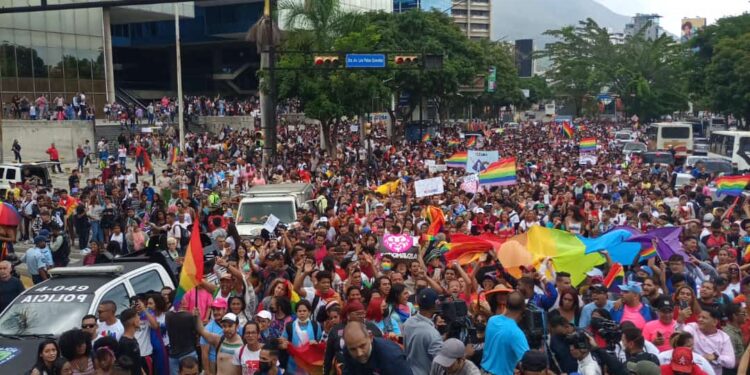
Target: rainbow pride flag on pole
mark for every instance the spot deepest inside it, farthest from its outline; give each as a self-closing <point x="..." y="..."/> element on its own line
<point x="499" y="173"/>
<point x="587" y="144"/>
<point x="173" y="155"/>
<point x="567" y="130"/>
<point x="192" y="267"/>
<point x="471" y="142"/>
<point x="453" y="142"/>
<point x="731" y="185"/>
<point x="647" y="253"/>
<point x="426" y="138"/>
<point x="458" y="160"/>
<point x="615" y="277"/>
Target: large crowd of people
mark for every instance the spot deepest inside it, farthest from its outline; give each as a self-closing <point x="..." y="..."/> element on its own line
<point x="327" y="281"/>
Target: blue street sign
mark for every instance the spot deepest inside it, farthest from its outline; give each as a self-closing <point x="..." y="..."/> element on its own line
<point x="371" y="61"/>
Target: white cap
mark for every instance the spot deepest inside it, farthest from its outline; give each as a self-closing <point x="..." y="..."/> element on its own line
<point x="595" y="272"/>
<point x="230" y="317"/>
<point x="264" y="314"/>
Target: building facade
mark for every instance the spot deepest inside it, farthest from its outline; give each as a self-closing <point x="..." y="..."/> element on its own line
<point x="473" y="17"/>
<point x="649" y="23"/>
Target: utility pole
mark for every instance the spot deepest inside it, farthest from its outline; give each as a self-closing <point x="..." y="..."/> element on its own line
<point x="180" y="109"/>
<point x="2" y="149"/>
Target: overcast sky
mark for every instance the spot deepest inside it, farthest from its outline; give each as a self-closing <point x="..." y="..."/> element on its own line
<point x="672" y="11"/>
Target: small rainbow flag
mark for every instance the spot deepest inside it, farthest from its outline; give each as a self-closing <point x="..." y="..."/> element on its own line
<point x="647" y="253"/>
<point x="732" y="185"/>
<point x="192" y="267"/>
<point x="615" y="276"/>
<point x="499" y="173"/>
<point x="426" y="137"/>
<point x="471" y="142"/>
<point x="173" y="155"/>
<point x="567" y="130"/>
<point x="587" y="144"/>
<point x="457" y="160"/>
<point x="453" y="142"/>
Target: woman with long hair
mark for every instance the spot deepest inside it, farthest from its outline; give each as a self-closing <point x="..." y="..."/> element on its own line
<point x="278" y="288"/>
<point x="399" y="306"/>
<point x="376" y="314"/>
<point x="687" y="308"/>
<point x="237" y="306"/>
<point x="281" y="309"/>
<point x="381" y="287"/>
<point x="46" y="356"/>
<point x="75" y="346"/>
<point x="570" y="307"/>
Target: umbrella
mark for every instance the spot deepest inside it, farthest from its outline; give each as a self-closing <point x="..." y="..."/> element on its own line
<point x="9" y="215"/>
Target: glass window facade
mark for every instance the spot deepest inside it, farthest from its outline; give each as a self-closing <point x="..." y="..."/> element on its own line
<point x="52" y="54"/>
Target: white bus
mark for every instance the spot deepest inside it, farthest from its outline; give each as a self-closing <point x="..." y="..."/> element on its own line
<point x="665" y="135"/>
<point x="733" y="146"/>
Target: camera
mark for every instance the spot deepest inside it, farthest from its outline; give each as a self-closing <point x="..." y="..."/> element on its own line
<point x="609" y="330"/>
<point x="455" y="314"/>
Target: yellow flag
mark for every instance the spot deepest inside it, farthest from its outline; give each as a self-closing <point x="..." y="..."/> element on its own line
<point x="388" y="188"/>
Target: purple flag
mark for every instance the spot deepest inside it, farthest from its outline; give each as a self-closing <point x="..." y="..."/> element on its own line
<point x="667" y="241"/>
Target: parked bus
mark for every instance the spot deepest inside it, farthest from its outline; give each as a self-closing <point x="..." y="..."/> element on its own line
<point x="665" y="135"/>
<point x="733" y="146"/>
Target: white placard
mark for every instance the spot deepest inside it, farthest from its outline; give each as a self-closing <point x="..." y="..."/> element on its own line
<point x="354" y="128"/>
<point x="586" y="158"/>
<point x="478" y="161"/>
<point x="470" y="183"/>
<point x="428" y="186"/>
<point x="429" y="162"/>
<point x="271" y="223"/>
<point x="437" y="168"/>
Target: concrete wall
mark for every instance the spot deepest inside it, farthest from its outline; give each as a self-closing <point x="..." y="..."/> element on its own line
<point x="36" y="136"/>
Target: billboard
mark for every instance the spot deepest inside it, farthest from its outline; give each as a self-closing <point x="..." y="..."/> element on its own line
<point x="690" y="27"/>
<point x="524" y="60"/>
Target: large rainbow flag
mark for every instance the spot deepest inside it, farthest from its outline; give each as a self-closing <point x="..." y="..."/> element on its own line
<point x="471" y="142"/>
<point x="436" y="218"/>
<point x="731" y="185"/>
<point x="458" y="160"/>
<point x="587" y="144"/>
<point x="567" y="130"/>
<point x="192" y="267"/>
<point x="309" y="356"/>
<point x="499" y="173"/>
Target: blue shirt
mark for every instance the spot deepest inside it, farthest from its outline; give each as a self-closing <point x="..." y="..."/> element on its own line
<point x="291" y="366"/>
<point x="585" y="319"/>
<point x="504" y="345"/>
<point x="214" y="328"/>
<point x="34" y="259"/>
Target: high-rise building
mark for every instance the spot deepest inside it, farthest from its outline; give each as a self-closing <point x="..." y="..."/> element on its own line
<point x="473" y="17"/>
<point x="400" y="6"/>
<point x="649" y="23"/>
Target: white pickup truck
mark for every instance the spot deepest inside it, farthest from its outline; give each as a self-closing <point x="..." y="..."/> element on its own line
<point x="281" y="200"/>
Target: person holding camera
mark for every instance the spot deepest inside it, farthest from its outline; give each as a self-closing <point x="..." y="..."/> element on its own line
<point x="505" y="343"/>
<point x="580" y="348"/>
<point x="422" y="341"/>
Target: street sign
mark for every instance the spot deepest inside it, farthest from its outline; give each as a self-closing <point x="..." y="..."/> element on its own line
<point x="365" y="61"/>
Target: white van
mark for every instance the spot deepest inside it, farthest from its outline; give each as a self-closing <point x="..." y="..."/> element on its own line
<point x="17" y="173"/>
<point x="281" y="200"/>
<point x="732" y="146"/>
<point x="665" y="135"/>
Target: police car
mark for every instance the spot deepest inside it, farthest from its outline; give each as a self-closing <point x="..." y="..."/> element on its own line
<point x="58" y="304"/>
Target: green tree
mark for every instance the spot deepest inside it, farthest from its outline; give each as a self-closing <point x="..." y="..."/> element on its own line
<point x="507" y="90"/>
<point x="538" y="88"/>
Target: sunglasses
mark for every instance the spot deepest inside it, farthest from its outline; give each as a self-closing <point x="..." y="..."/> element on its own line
<point x="88" y="326"/>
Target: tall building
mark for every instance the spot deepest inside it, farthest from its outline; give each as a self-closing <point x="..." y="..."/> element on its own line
<point x="473" y="17"/>
<point x="648" y="22"/>
<point x="400" y="6"/>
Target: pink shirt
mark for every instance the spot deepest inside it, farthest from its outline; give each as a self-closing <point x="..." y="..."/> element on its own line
<point x="633" y="314"/>
<point x="650" y="332"/>
<point x="204" y="302"/>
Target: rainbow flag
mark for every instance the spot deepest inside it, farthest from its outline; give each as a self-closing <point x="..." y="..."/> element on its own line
<point x="453" y="143"/>
<point x="192" y="267"/>
<point x="471" y="142"/>
<point x="309" y="356"/>
<point x="457" y="160"/>
<point x="587" y="144"/>
<point x="499" y="173"/>
<point x="567" y="130"/>
<point x="615" y="276"/>
<point x="647" y="253"/>
<point x="731" y="185"/>
<point x="174" y="154"/>
<point x="426" y="138"/>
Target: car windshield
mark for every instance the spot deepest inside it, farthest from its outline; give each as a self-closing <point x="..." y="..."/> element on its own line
<point x="634" y="147"/>
<point x="622" y="136"/>
<point x="717" y="167"/>
<point x="40" y="314"/>
<point x="658" y="158"/>
<point x="258" y="212"/>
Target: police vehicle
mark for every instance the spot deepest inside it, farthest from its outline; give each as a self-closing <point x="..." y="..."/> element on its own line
<point x="58" y="304"/>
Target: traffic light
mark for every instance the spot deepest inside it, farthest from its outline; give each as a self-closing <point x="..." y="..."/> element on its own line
<point x="406" y="60"/>
<point x="326" y="61"/>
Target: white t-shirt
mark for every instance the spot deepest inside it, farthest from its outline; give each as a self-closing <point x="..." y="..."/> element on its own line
<point x="116" y="330"/>
<point x="143" y="336"/>
<point x="248" y="359"/>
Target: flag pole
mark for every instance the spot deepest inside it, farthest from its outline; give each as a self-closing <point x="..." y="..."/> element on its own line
<point x="731" y="208"/>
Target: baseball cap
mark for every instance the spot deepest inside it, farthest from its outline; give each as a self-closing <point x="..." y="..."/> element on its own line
<point x="479" y="210"/>
<point x="682" y="359"/>
<point x="595" y="272"/>
<point x="219" y="303"/>
<point x="427" y="298"/>
<point x="598" y="288"/>
<point x="664" y="303"/>
<point x="644" y="368"/>
<point x="231" y="317"/>
<point x="452" y="350"/>
<point x="631" y="287"/>
<point x="534" y="361"/>
<point x="264" y="314"/>
<point x="707" y="219"/>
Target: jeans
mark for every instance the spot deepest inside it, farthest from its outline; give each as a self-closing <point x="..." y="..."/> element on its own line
<point x="174" y="363"/>
<point x="96" y="232"/>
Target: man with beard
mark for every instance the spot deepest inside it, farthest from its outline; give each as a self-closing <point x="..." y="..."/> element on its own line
<point x="366" y="354"/>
